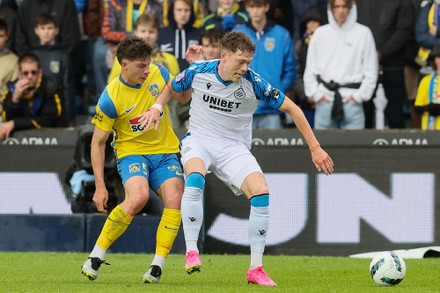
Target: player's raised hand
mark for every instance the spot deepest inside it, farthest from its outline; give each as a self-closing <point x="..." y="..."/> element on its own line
<point x="149" y="118"/>
<point x="193" y="53"/>
<point x="322" y="161"/>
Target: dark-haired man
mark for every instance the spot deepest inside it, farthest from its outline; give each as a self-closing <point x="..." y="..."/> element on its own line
<point x="27" y="103"/>
<point x="146" y="157"/>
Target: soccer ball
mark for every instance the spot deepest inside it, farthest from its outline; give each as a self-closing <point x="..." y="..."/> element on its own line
<point x="387" y="268"/>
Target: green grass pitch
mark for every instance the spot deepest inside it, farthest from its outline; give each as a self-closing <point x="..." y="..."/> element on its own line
<point x="60" y="272"/>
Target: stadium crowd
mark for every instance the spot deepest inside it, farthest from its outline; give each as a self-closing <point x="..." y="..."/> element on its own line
<point x="75" y="42"/>
<point x="321" y="62"/>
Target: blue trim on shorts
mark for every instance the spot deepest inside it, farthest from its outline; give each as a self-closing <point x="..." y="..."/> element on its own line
<point x="260" y="201"/>
<point x="155" y="168"/>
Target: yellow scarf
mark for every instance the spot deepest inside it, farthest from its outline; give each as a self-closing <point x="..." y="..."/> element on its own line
<point x="234" y="9"/>
<point x="129" y="16"/>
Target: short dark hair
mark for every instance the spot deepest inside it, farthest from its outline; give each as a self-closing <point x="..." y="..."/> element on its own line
<point x="28" y="57"/>
<point x="234" y="41"/>
<point x="213" y="35"/>
<point x="133" y="48"/>
<point x="4" y="26"/>
<point x="45" y="18"/>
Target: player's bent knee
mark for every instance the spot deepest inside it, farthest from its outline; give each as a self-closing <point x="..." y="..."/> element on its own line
<point x="261" y="200"/>
<point x="196" y="180"/>
<point x="139" y="201"/>
<point x="173" y="200"/>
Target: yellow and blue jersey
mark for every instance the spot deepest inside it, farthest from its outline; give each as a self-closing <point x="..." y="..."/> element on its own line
<point x="427" y="93"/>
<point x="119" y="109"/>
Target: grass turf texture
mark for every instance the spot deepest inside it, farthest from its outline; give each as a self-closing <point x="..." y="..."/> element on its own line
<point x="60" y="272"/>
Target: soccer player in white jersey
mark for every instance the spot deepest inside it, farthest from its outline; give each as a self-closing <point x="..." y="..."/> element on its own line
<point x="225" y="94"/>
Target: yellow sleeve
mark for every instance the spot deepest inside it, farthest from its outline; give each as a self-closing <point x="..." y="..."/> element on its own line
<point x="173" y="65"/>
<point x="116" y="70"/>
<point x="422" y="98"/>
<point x="106" y="112"/>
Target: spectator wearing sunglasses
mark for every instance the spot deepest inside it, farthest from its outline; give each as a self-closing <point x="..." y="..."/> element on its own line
<point x="26" y="102"/>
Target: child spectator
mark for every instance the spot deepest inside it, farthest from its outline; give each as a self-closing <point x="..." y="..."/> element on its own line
<point x="428" y="95"/>
<point x="54" y="62"/>
<point x="26" y="102"/>
<point x="66" y="18"/>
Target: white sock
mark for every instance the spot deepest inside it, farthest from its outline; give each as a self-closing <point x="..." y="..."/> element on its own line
<point x="158" y="260"/>
<point x="256" y="260"/>
<point x="191" y="245"/>
<point x="98" y="252"/>
<point x="192" y="216"/>
<point x="258" y="226"/>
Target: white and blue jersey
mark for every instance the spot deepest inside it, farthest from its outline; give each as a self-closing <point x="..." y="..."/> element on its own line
<point x="224" y="109"/>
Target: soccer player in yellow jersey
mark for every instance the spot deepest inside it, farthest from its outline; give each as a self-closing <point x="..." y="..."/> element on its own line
<point x="146" y="156"/>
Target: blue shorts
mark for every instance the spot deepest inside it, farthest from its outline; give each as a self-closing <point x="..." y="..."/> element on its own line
<point x="155" y="168"/>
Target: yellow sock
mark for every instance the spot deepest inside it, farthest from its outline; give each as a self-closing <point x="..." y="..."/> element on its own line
<point x="116" y="224"/>
<point x="167" y="231"/>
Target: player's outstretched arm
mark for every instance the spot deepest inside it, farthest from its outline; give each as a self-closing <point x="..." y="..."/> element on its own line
<point x="323" y="162"/>
<point x="97" y="154"/>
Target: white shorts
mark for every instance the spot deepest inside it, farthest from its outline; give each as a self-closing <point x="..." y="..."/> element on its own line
<point x="230" y="161"/>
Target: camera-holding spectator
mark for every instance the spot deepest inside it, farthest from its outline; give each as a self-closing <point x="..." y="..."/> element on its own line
<point x="26" y="102"/>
